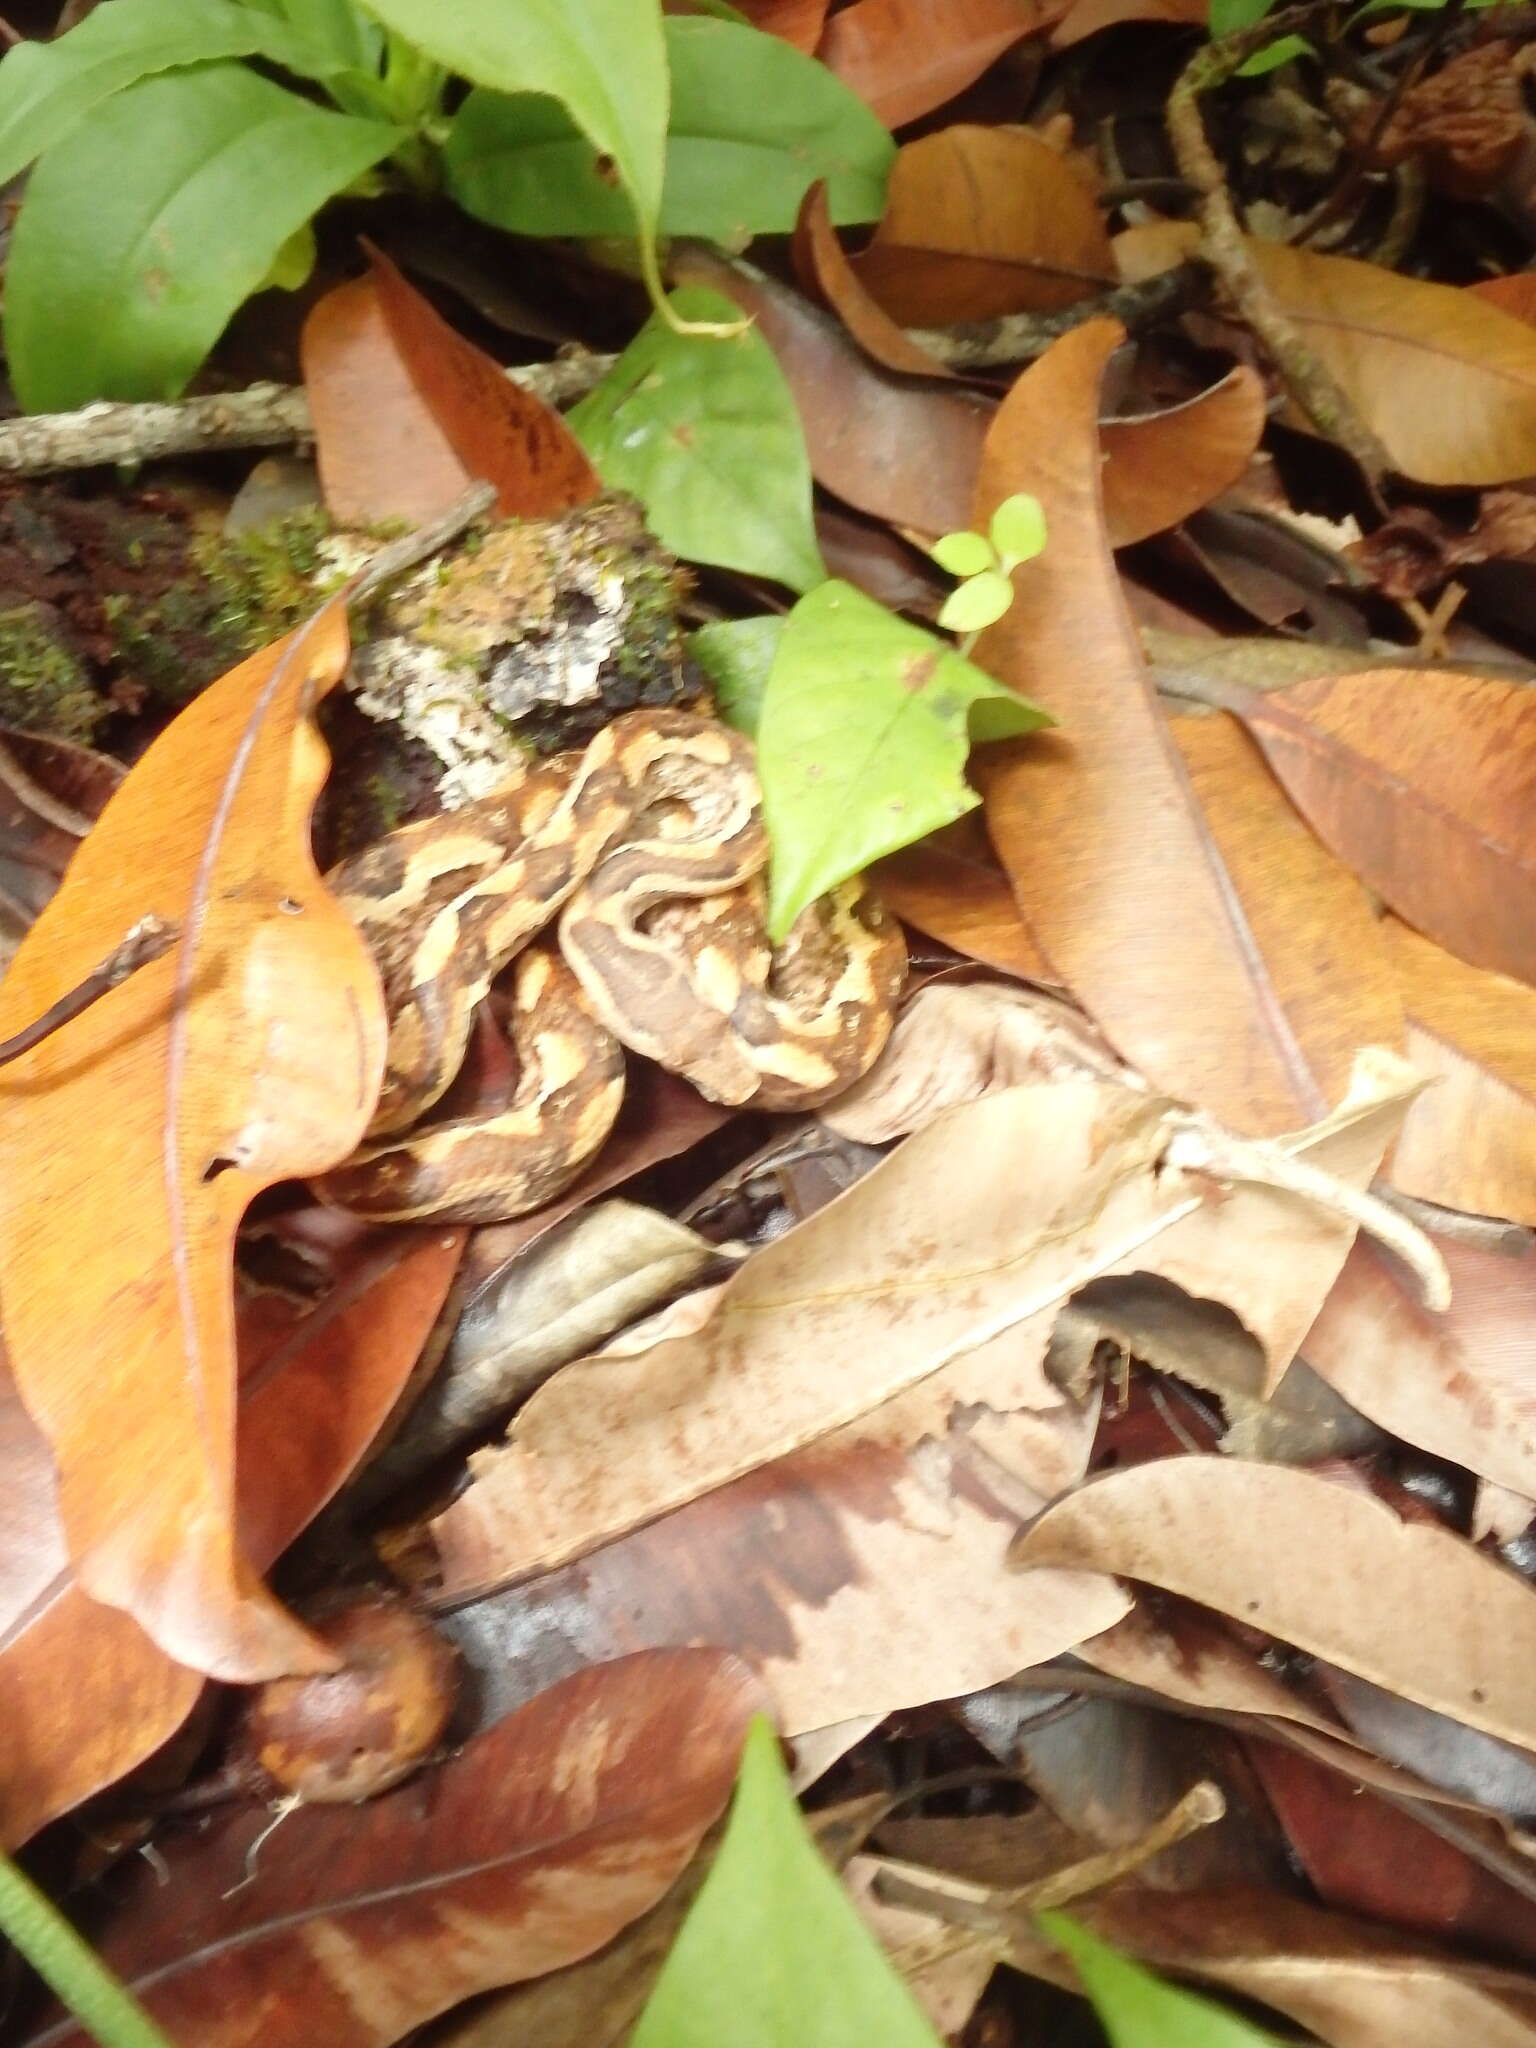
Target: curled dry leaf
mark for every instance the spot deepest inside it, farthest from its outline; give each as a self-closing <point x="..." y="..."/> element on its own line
<point x="950" y="886"/>
<point x="822" y="266"/>
<point x="1160" y="467"/>
<point x="1177" y="977"/>
<point x="249" y="1054"/>
<point x="1318" y="1564"/>
<point x="906" y="57"/>
<point x="408" y="413"/>
<point x="1444" y="377"/>
<point x="85" y="1695"/>
<point x="1461" y="1385"/>
<point x="1469" y="1141"/>
<point x="983" y="221"/>
<point x="1419" y="780"/>
<point x="542" y="1838"/>
<point x="1492" y="1774"/>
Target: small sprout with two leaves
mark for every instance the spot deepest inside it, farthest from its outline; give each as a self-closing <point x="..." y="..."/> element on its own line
<point x="985" y="562"/>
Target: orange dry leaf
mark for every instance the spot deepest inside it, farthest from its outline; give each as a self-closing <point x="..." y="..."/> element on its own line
<point x="1159" y="467"/>
<point x="1116" y="873"/>
<point x="982" y="221"/>
<point x="408" y="413"/>
<point x="822" y="266"/>
<point x="251" y="1053"/>
<point x="906" y="57"/>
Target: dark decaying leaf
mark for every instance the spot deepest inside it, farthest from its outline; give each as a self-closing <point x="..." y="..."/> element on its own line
<point x="907" y="57"/>
<point x="528" y="1849"/>
<point x="84" y="1693"/>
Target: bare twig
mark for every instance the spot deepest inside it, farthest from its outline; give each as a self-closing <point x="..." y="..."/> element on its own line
<point x="1310" y="383"/>
<point x="144" y="942"/>
<point x="422" y="541"/>
<point x="1018" y="337"/>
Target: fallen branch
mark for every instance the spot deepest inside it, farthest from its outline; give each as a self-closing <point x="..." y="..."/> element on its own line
<point x="1308" y="380"/>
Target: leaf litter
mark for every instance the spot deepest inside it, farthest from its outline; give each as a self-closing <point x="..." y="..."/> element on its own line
<point x="1126" y="1375"/>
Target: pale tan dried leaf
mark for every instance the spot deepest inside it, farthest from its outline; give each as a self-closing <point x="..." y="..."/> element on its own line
<point x="1318" y="1564"/>
<point x="1468" y="1142"/>
<point x="1190" y="1659"/>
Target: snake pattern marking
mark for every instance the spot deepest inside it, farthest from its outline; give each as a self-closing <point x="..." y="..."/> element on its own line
<point x="647" y="852"/>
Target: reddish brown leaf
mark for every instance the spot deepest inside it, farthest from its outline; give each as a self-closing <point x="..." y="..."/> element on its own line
<point x="906" y="57"/>
<point x="408" y="413"/>
<point x="1468" y="1142"/>
<point x="250" y="1053"/>
<point x="1086" y="17"/>
<point x="1085" y="815"/>
<point x="1420" y="780"/>
<point x="822" y="266"/>
<point x="950" y="887"/>
<point x="1160" y="467"/>
<point x="983" y="221"/>
<point x="530" y="1848"/>
<point x="84" y="1694"/>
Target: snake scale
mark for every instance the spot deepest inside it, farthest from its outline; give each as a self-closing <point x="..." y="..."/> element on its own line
<point x="646" y="853"/>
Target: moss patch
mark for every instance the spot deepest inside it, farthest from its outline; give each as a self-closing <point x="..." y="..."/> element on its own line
<point x="44" y="687"/>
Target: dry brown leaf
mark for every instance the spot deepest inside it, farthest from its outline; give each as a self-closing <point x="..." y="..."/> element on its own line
<point x="408" y="413"/>
<point x="1188" y="1657"/>
<point x="1468" y="1142"/>
<point x="1461" y="1385"/>
<point x="529" y="1848"/>
<point x="1086" y="17"/>
<point x="1159" y="467"/>
<point x="1420" y="781"/>
<point x="823" y="269"/>
<point x="950" y="886"/>
<point x="906" y="57"/>
<point x="982" y="221"/>
<point x="251" y="1053"/>
<point x="1083" y="815"/>
<point x="1321" y="1565"/>
<point x="1445" y="377"/>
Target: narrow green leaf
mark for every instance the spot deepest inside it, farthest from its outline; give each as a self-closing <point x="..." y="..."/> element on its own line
<point x="861" y="741"/>
<point x="48" y="88"/>
<point x="772" y="1953"/>
<point x="603" y="60"/>
<point x="964" y="554"/>
<point x="1018" y="527"/>
<point x="753" y="123"/>
<point x="738" y="655"/>
<point x="1138" y="2009"/>
<point x="1275" y="55"/>
<point x="144" y="230"/>
<point x="703" y="430"/>
<point x="979" y="601"/>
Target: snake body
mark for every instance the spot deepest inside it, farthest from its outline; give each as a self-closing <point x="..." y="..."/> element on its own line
<point x="648" y="848"/>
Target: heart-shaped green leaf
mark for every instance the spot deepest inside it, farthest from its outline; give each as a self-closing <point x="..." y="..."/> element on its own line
<point x="703" y="430"/>
<point x="753" y="123"/>
<point x="737" y="655"/>
<point x="862" y="739"/>
<point x="143" y="229"/>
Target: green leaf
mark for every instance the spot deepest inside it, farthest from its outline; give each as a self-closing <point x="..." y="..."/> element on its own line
<point x="861" y="742"/>
<point x="603" y="60"/>
<point x="772" y="1953"/>
<point x="1138" y="2009"/>
<point x="964" y="554"/>
<point x="143" y="231"/>
<point x="980" y="601"/>
<point x="737" y="655"/>
<point x="703" y="430"/>
<point x="753" y="123"/>
<point x="1276" y="54"/>
<point x="48" y="88"/>
<point x="1018" y="527"/>
<point x="1227" y="16"/>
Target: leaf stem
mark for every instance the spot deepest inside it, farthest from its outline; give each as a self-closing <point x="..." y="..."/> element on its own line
<point x="71" y="1967"/>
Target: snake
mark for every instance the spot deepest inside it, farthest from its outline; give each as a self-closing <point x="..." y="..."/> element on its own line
<point x="616" y="900"/>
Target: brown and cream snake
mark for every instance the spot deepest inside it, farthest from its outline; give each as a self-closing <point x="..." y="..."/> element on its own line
<point x="649" y="849"/>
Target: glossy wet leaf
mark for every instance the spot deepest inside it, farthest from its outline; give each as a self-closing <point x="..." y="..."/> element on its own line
<point x="702" y="429"/>
<point x="752" y="124"/>
<point x="865" y="726"/>
<point x="773" y="1954"/>
<point x="46" y="88"/>
<point x="143" y="230"/>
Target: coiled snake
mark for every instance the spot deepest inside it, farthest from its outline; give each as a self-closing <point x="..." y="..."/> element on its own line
<point x="649" y="848"/>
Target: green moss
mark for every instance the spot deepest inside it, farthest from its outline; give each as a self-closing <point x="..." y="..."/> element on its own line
<point x="230" y="596"/>
<point x="43" y="687"/>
